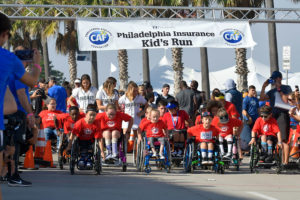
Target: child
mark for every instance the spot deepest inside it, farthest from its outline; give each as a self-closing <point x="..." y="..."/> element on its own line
<point x="86" y="130"/>
<point x="50" y="124"/>
<point x="203" y="108"/>
<point x="155" y="128"/>
<point x="111" y="127"/>
<point x="267" y="129"/>
<point x="205" y="134"/>
<point x="226" y="124"/>
<point x="161" y="106"/>
<point x="176" y="121"/>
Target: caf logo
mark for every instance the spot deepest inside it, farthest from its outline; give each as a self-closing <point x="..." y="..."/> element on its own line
<point x="154" y="130"/>
<point x="224" y="128"/>
<point x="87" y="132"/>
<point x="266" y="128"/>
<point x="110" y="123"/>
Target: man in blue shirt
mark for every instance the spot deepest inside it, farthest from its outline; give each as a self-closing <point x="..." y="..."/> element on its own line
<point x="59" y="93"/>
<point x="10" y="65"/>
<point x="250" y="106"/>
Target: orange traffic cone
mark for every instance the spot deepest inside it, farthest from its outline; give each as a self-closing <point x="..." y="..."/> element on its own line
<point x="48" y="154"/>
<point x="29" y="161"/>
<point x="40" y="145"/>
<point x="130" y="142"/>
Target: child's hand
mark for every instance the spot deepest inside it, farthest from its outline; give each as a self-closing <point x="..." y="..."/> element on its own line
<point x="280" y="145"/>
<point x="252" y="141"/>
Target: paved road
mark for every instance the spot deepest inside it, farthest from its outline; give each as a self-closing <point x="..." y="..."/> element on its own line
<point x="55" y="184"/>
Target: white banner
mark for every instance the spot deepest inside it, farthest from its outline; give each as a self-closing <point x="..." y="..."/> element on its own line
<point x="143" y="34"/>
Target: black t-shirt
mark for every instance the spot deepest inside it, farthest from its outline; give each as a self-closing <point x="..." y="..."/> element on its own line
<point x="167" y="99"/>
<point x="37" y="103"/>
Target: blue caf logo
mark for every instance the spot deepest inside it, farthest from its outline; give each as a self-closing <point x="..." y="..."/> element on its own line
<point x="233" y="36"/>
<point x="99" y="37"/>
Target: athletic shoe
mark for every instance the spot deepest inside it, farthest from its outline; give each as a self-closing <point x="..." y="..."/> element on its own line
<point x="205" y="161"/>
<point x="16" y="181"/>
<point x="108" y="157"/>
<point x="179" y="153"/>
<point x="154" y="154"/>
<point x="269" y="159"/>
<point x="210" y="161"/>
<point x="174" y="153"/>
<point x="228" y="155"/>
<point x="161" y="156"/>
<point x="114" y="156"/>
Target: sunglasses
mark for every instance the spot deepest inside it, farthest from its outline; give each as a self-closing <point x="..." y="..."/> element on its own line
<point x="264" y="116"/>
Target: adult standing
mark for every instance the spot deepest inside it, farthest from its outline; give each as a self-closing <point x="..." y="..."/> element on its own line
<point x="250" y="106"/>
<point x="38" y="96"/>
<point x="186" y="99"/>
<point x="165" y="95"/>
<point x="281" y="115"/>
<point x="107" y="95"/>
<point x="85" y="94"/>
<point x="198" y="96"/>
<point x="10" y="65"/>
<point x="233" y="95"/>
<point x="59" y="93"/>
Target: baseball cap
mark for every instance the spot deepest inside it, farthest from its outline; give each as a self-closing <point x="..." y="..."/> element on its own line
<point x="206" y="114"/>
<point x="77" y="80"/>
<point x="171" y="105"/>
<point x="276" y="74"/>
<point x="52" y="78"/>
<point x="166" y="85"/>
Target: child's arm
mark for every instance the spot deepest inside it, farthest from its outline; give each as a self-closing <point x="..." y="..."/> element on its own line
<point x="279" y="139"/>
<point x="166" y="133"/>
<point x="253" y="136"/>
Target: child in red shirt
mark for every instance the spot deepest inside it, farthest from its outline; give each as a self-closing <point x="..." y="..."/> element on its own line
<point x="176" y="121"/>
<point x="161" y="106"/>
<point x="205" y="134"/>
<point x="267" y="129"/>
<point x="86" y="130"/>
<point x="155" y="129"/>
<point x="111" y="127"/>
<point x="226" y="124"/>
<point x="50" y="124"/>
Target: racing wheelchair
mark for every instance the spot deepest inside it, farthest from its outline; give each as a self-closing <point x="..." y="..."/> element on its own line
<point x="121" y="158"/>
<point x="192" y="158"/>
<point x="144" y="156"/>
<point x="256" y="153"/>
<point x="177" y="159"/>
<point x="63" y="156"/>
<point x="85" y="155"/>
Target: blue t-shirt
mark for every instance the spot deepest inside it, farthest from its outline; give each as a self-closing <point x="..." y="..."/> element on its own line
<point x="251" y="105"/>
<point x="14" y="86"/>
<point x="60" y="94"/>
<point x="9" y="65"/>
<point x="286" y="89"/>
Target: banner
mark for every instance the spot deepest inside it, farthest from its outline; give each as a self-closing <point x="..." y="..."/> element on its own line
<point x="148" y="34"/>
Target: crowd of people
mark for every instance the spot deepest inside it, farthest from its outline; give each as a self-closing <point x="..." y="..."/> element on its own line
<point x="29" y="103"/>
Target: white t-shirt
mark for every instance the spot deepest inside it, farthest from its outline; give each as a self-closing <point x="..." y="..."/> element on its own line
<point x="132" y="108"/>
<point x="84" y="98"/>
<point x="101" y="95"/>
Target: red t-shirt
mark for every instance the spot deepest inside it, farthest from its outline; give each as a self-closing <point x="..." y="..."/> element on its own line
<point x="269" y="127"/>
<point x="86" y="131"/>
<point x="226" y="129"/>
<point x="154" y="129"/>
<point x="112" y="124"/>
<point x="198" y="120"/>
<point x="47" y="118"/>
<point x="67" y="122"/>
<point x="178" y="120"/>
<point x="202" y="134"/>
<point x="231" y="110"/>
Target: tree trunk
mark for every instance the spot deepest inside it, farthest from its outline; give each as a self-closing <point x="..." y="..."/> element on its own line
<point x="123" y="66"/>
<point x="178" y="68"/>
<point x="146" y="68"/>
<point x="46" y="57"/>
<point x="205" y="72"/>
<point x="272" y="38"/>
<point x="241" y="68"/>
<point x="72" y="66"/>
<point x="94" y="69"/>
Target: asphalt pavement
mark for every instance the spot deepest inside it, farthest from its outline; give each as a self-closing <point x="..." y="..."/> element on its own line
<point x="56" y="184"/>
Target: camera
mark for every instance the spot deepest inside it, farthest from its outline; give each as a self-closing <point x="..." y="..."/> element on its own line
<point x="24" y="55"/>
<point x="271" y="81"/>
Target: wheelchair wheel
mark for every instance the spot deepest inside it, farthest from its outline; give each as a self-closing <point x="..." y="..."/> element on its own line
<point x="74" y="152"/>
<point x="60" y="152"/>
<point x="143" y="155"/>
<point x="188" y="157"/>
<point x="135" y="152"/>
<point x="98" y="162"/>
<point x="253" y="157"/>
<point x="139" y="156"/>
<point x="168" y="158"/>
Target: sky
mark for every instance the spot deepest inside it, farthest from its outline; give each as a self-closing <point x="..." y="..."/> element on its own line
<point x="287" y="34"/>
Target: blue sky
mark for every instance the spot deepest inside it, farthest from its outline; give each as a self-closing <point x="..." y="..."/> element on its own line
<point x="287" y="34"/>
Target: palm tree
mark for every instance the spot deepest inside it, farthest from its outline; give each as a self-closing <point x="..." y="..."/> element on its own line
<point x="241" y="60"/>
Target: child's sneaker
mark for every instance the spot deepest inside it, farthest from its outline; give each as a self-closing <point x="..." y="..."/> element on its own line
<point x="174" y="153"/>
<point x="154" y="154"/>
<point x="269" y="159"/>
<point x="161" y="156"/>
<point x="210" y="161"/>
<point x="205" y="161"/>
<point x="179" y="153"/>
<point x="228" y="156"/>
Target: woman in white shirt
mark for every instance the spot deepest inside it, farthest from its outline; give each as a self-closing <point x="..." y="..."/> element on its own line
<point x="84" y="95"/>
<point x="130" y="104"/>
<point x="107" y="95"/>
